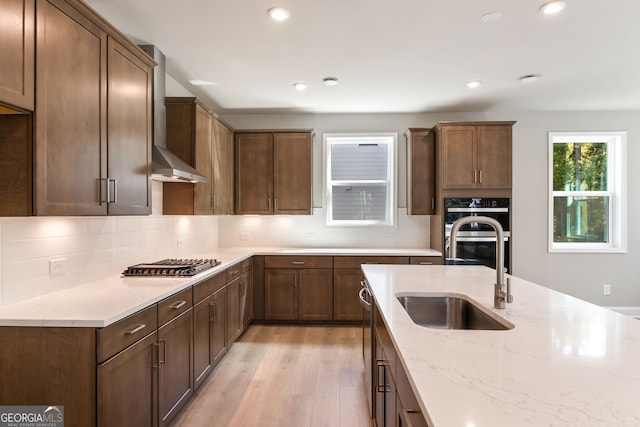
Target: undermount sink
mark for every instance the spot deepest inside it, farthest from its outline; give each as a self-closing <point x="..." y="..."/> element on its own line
<point x="451" y="312"/>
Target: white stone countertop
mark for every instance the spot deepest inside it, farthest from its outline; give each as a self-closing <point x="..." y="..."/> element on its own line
<point x="103" y="302"/>
<point x="565" y="363"/>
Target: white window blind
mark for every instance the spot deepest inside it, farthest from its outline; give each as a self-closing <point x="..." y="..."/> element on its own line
<point x="360" y="179"/>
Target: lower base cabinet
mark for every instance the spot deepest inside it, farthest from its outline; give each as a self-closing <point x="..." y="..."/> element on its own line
<point x="395" y="402"/>
<point x="127" y="386"/>
<point x="175" y="367"/>
<point x="209" y="329"/>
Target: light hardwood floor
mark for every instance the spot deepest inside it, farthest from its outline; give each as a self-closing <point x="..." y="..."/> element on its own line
<point x="285" y="376"/>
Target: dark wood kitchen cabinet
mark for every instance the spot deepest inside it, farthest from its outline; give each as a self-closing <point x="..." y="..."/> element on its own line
<point x="209" y="326"/>
<point x="190" y="137"/>
<point x="204" y="142"/>
<point x="421" y="172"/>
<point x="238" y="299"/>
<point x="93" y="123"/>
<point x="127" y="371"/>
<point x="222" y="168"/>
<point x="273" y="172"/>
<point x="474" y="155"/>
<point x="17" y="50"/>
<point x="15" y="164"/>
<point x="298" y="288"/>
<point x="347" y="276"/>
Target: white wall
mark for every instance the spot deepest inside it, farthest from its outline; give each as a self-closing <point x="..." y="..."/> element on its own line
<point x="580" y="275"/>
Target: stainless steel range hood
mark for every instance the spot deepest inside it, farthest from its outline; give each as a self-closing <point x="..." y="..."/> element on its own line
<point x="166" y="166"/>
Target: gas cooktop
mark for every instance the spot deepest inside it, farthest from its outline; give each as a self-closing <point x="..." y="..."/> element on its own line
<point x="171" y="267"/>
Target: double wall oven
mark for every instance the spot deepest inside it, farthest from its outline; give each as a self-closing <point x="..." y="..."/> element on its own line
<point x="475" y="242"/>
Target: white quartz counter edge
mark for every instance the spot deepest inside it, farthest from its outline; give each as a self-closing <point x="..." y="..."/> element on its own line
<point x="566" y="363"/>
<point x="103" y="302"/>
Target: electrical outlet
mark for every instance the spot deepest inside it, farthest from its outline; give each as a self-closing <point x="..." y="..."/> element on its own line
<point x="179" y="243"/>
<point x="56" y="267"/>
<point x="386" y="236"/>
<point x="606" y="289"/>
<point x="245" y="235"/>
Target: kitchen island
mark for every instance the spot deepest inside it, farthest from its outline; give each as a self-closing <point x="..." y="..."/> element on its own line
<point x="565" y="363"/>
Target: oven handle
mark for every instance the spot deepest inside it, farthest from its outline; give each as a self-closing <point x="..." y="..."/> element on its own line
<point x="471" y="210"/>
<point x="479" y="239"/>
<point x="363" y="299"/>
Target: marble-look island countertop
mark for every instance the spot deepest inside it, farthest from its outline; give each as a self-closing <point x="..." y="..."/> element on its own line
<point x="565" y="363"/>
<point x="105" y="301"/>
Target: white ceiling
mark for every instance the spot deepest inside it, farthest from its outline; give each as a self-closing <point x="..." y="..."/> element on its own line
<point x="393" y="55"/>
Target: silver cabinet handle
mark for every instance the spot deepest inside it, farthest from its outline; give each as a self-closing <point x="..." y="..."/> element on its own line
<point x="480" y="175"/>
<point x="475" y="176"/>
<point x="136" y="329"/>
<point x="213" y="311"/>
<point x="164" y="352"/>
<point x="178" y="304"/>
<point x="297" y="262"/>
<point x="106" y="192"/>
<point x="406" y="416"/>
<point x="363" y="300"/>
<point x="425" y="263"/>
<point x="115" y="190"/>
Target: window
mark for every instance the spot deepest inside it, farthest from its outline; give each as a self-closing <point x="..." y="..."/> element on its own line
<point x="360" y="179"/>
<point x="587" y="206"/>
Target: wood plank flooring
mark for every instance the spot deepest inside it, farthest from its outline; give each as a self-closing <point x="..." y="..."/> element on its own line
<point x="285" y="376"/>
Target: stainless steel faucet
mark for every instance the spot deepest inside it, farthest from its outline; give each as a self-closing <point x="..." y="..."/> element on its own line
<point x="502" y="293"/>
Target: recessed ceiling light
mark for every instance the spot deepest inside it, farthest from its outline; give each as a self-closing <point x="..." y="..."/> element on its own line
<point x="196" y="82"/>
<point x="278" y="13"/>
<point x="529" y="78"/>
<point x="300" y="86"/>
<point x="552" y="7"/>
<point x="473" y="84"/>
<point x="330" y="81"/>
<point x="491" y="16"/>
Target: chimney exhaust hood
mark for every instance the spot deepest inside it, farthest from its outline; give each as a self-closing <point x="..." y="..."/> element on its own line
<point x="166" y="166"/>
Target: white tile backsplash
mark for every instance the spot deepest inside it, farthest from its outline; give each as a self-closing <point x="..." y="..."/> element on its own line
<point x="93" y="247"/>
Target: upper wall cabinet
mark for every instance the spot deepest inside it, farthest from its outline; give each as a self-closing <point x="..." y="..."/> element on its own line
<point x="273" y="172"/>
<point x="204" y="142"/>
<point x="474" y="155"/>
<point x="17" y="50"/>
<point x="421" y="175"/>
<point x="93" y="116"/>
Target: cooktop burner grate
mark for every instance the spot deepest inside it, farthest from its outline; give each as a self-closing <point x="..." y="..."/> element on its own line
<point x="171" y="267"/>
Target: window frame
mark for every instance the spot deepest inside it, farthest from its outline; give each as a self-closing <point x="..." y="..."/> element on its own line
<point x="616" y="191"/>
<point x="389" y="138"/>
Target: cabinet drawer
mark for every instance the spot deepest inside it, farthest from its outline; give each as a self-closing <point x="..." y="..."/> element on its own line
<point x="207" y="287"/>
<point x="123" y="333"/>
<point x="357" y="261"/>
<point x="237" y="269"/>
<point x="300" y="261"/>
<point x="426" y="260"/>
<point x="172" y="307"/>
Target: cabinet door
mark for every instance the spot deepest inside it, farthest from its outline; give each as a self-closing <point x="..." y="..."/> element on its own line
<point x="246" y="297"/>
<point x="17" y="50"/>
<point x="129" y="132"/>
<point x="494" y="157"/>
<point x="254" y="173"/>
<point x="218" y="306"/>
<point x="222" y="169"/>
<point x="346" y="285"/>
<point x="70" y="140"/>
<point x="234" y="316"/>
<point x="458" y="157"/>
<point x="421" y="176"/>
<point x="315" y="294"/>
<point x="15" y="165"/>
<point x="292" y="173"/>
<point x="202" y="352"/>
<point x="127" y="387"/>
<point x="175" y="373"/>
<point x="280" y="294"/>
<point x="202" y="161"/>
